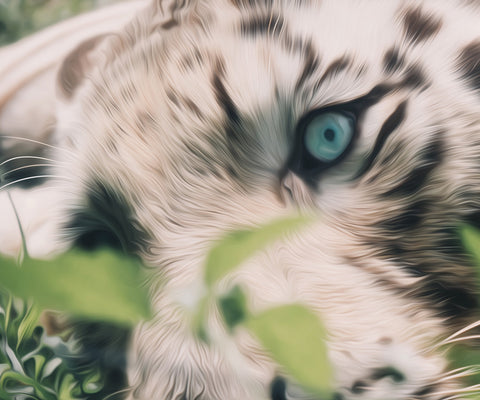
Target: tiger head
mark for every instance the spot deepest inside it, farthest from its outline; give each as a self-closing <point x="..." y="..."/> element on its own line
<point x="203" y="117"/>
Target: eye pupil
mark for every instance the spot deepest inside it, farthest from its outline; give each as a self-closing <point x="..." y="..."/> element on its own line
<point x="329" y="134"/>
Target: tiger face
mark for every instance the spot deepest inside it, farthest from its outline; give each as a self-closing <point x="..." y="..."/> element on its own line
<point x="202" y="117"/>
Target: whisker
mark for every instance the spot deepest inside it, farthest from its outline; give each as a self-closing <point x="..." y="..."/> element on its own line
<point x="469" y="372"/>
<point x="457" y="396"/>
<point x="28" y="158"/>
<point x="25" y="167"/>
<point x="456" y="370"/>
<point x="460" y="339"/>
<point x="34" y="141"/>
<point x="469" y="389"/>
<point x="458" y="333"/>
<point x="28" y="178"/>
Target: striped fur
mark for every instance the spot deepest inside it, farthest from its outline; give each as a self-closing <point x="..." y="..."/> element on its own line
<point x="189" y="122"/>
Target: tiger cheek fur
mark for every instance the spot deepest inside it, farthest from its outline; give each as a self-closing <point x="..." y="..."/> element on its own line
<point x="196" y="120"/>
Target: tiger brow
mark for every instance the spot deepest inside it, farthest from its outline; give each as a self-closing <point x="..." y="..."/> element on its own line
<point x="388" y="127"/>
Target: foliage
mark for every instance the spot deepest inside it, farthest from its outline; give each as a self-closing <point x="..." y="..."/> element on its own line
<point x="462" y="355"/>
<point x="34" y="366"/>
<point x="101" y="285"/>
<point x="229" y="252"/>
<point x="21" y="17"/>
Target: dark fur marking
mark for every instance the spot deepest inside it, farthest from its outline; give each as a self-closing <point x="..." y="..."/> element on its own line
<point x="190" y="104"/>
<point x="417" y="177"/>
<point x="388" y="127"/>
<point x="278" y="388"/>
<point x="469" y="64"/>
<point x="223" y="98"/>
<point x="297" y="44"/>
<point x="359" y="387"/>
<point x="188" y="61"/>
<point x="171" y="96"/>
<point x="427" y="389"/>
<point x="419" y="26"/>
<point x="336" y="67"/>
<point x="333" y="69"/>
<point x="232" y="116"/>
<point x="376" y="94"/>
<point x="392" y="61"/>
<point x="171" y="23"/>
<point x="452" y="301"/>
<point x="420" y="254"/>
<point x="107" y="219"/>
<point x="274" y="26"/>
<point x="411" y="217"/>
<point x="388" y="372"/>
<point x="414" y="77"/>
<point x="252" y="3"/>
<point x="310" y="65"/>
<point x="263" y="25"/>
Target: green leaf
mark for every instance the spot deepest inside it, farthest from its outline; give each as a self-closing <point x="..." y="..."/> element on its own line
<point x="92" y="383"/>
<point x="233" y="307"/>
<point x="236" y="247"/>
<point x="295" y="338"/>
<point x="101" y="285"/>
<point x="28" y="323"/>
<point x="471" y="240"/>
<point x="67" y="385"/>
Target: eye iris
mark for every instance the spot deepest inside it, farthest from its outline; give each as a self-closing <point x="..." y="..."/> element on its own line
<point x="328" y="135"/>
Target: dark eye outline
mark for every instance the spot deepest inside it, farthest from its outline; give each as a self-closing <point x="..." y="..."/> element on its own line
<point x="302" y="162"/>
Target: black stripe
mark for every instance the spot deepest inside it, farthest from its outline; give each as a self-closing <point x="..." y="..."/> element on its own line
<point x="469" y="64"/>
<point x="223" y="98"/>
<point x="393" y="61"/>
<point x="263" y="25"/>
<point x="107" y="219"/>
<point x="414" y="77"/>
<point x="378" y="92"/>
<point x="427" y="389"/>
<point x="333" y="69"/>
<point x="278" y="388"/>
<point x="419" y="26"/>
<point x="388" y="372"/>
<point x="452" y="301"/>
<point x="391" y="123"/>
<point x="310" y="65"/>
<point x="407" y="219"/>
<point x="416" y="178"/>
<point x="242" y="4"/>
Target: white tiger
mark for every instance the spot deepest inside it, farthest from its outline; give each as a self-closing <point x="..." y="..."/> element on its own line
<point x="199" y="117"/>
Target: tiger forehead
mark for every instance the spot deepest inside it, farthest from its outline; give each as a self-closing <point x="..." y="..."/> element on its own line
<point x="241" y="86"/>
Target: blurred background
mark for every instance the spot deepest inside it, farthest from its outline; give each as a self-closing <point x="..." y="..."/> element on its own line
<point x="19" y="18"/>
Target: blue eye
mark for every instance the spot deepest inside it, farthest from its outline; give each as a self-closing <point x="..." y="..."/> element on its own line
<point x="328" y="135"/>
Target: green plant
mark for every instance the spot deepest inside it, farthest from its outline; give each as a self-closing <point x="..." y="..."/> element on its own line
<point x="34" y="366"/>
<point x="22" y="17"/>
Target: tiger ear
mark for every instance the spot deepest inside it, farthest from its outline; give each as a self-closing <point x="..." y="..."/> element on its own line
<point x="171" y="13"/>
<point x="76" y="66"/>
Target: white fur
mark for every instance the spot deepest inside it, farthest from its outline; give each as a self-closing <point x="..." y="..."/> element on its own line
<point x="328" y="266"/>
